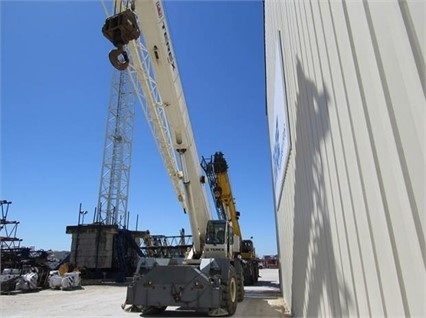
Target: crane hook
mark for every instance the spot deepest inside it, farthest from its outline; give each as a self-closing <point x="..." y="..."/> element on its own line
<point x="116" y="61"/>
<point x="120" y="29"/>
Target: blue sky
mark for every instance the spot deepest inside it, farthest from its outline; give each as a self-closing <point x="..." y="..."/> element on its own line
<point x="55" y="84"/>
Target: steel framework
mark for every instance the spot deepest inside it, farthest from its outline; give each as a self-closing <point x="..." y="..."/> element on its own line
<point x="115" y="175"/>
<point x="8" y="229"/>
<point x="145" y="88"/>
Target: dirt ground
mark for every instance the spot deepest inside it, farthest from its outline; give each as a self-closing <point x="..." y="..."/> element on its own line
<point x="261" y="300"/>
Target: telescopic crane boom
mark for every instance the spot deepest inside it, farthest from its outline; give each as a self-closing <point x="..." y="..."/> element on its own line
<point x="216" y="169"/>
<point x="157" y="81"/>
<point x="209" y="278"/>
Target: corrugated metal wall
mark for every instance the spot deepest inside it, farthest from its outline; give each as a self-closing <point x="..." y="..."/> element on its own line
<point x="351" y="215"/>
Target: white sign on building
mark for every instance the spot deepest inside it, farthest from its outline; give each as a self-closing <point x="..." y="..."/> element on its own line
<point x="279" y="133"/>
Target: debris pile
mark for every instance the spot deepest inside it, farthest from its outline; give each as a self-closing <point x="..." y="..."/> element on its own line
<point x="65" y="278"/>
<point x="64" y="282"/>
<point x="23" y="268"/>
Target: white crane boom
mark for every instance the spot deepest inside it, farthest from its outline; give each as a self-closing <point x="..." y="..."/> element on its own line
<point x="158" y="86"/>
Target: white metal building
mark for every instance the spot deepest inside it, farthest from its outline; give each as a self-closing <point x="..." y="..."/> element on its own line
<point x="346" y="112"/>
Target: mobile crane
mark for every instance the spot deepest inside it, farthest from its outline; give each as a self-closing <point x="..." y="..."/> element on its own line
<point x="210" y="277"/>
<point x="216" y="169"/>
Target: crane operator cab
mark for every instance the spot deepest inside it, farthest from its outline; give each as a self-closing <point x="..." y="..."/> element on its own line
<point x="219" y="239"/>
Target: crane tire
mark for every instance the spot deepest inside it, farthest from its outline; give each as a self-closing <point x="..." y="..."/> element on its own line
<point x="230" y="292"/>
<point x="256" y="274"/>
<point x="240" y="283"/>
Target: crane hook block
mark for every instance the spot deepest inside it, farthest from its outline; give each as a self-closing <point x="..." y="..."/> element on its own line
<point x="120" y="29"/>
<point x="119" y="63"/>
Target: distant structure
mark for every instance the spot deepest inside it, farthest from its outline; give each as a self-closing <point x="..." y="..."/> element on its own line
<point x="107" y="247"/>
<point x="346" y="87"/>
<point x="116" y="164"/>
<point x="269" y="261"/>
<point x="8" y="229"/>
<point x="21" y="268"/>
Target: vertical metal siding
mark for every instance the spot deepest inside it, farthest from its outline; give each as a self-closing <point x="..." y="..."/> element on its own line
<point x="351" y="216"/>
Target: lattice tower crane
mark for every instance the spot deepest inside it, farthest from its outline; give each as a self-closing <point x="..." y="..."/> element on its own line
<point x="112" y="207"/>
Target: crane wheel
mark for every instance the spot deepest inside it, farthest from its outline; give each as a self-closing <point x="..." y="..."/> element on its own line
<point x="240" y="286"/>
<point x="230" y="292"/>
<point x="120" y="63"/>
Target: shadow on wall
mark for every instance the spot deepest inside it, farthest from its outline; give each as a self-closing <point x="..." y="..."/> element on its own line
<point x="315" y="276"/>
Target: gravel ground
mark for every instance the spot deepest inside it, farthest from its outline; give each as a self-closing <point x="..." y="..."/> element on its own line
<point x="261" y="300"/>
